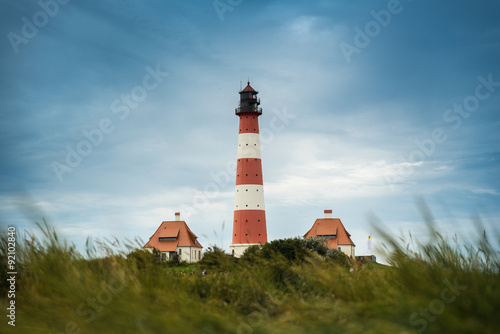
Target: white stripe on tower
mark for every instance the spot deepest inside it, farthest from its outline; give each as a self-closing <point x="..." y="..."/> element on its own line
<point x="249" y="145"/>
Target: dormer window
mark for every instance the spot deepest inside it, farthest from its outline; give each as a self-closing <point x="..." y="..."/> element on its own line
<point x="167" y="238"/>
<point x="328" y="236"/>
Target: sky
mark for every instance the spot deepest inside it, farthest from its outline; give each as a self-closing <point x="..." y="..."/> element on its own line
<point x="117" y="114"/>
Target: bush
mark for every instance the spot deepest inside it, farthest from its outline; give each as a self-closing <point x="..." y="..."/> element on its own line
<point x="317" y="245"/>
<point x="338" y="257"/>
<point x="291" y="249"/>
<point x="215" y="257"/>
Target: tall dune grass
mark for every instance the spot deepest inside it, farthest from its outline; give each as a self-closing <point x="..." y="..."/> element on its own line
<point x="438" y="287"/>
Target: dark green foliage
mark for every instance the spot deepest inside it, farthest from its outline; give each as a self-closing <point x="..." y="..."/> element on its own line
<point x="291" y="249"/>
<point x="317" y="245"/>
<point x="338" y="256"/>
<point x="214" y="257"/>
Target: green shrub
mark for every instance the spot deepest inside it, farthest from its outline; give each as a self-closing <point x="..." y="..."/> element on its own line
<point x="215" y="257"/>
<point x="338" y="256"/>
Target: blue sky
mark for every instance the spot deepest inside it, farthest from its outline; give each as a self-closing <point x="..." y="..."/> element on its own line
<point x="367" y="106"/>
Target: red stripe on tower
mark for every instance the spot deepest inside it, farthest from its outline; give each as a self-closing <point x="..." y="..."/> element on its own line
<point x="249" y="223"/>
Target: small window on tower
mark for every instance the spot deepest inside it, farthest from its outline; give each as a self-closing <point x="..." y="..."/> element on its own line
<point x="247" y="144"/>
<point x="258" y="220"/>
<point x="257" y="205"/>
<point x="247" y="205"/>
<point x="246" y="174"/>
<point x="247" y="189"/>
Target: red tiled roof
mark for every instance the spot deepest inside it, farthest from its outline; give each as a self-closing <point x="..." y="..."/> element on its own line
<point x="330" y="226"/>
<point x="170" y="229"/>
<point x="248" y="88"/>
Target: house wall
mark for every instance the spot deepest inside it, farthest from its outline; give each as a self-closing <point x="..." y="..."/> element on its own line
<point x="349" y="250"/>
<point x="190" y="254"/>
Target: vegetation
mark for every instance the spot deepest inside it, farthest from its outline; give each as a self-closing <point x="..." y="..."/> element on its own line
<point x="285" y="286"/>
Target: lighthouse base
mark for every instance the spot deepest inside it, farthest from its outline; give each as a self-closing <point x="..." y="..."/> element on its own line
<point x="237" y="250"/>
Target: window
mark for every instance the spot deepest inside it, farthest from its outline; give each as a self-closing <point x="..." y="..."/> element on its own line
<point x="180" y="251"/>
<point x="199" y="254"/>
<point x="163" y="256"/>
<point x="166" y="238"/>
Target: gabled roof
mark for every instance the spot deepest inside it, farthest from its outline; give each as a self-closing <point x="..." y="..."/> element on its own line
<point x="248" y="88"/>
<point x="179" y="230"/>
<point x="330" y="226"/>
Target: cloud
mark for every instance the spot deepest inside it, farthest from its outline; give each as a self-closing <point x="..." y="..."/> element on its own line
<point x="487" y="191"/>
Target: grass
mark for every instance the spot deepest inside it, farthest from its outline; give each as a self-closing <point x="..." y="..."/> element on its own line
<point x="439" y="287"/>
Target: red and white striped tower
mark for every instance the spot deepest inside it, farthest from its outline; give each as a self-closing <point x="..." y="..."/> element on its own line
<point x="249" y="223"/>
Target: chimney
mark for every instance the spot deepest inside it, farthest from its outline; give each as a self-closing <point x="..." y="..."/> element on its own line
<point x="177" y="216"/>
<point x="328" y="213"/>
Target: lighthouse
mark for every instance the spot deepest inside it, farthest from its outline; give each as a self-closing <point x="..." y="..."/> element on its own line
<point x="249" y="223"/>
